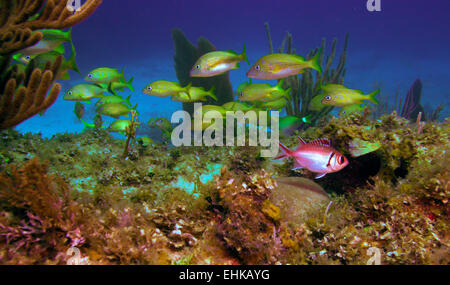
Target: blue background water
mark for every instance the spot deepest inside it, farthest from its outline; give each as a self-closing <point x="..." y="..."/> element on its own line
<point x="408" y="39"/>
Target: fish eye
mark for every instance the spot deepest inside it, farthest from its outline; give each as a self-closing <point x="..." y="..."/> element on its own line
<point x="89" y="75"/>
<point x="149" y="88"/>
<point x="241" y="94"/>
<point x="197" y="66"/>
<point x="257" y="67"/>
<point x="70" y="92"/>
<point x="328" y="98"/>
<point x="27" y="57"/>
<point x="341" y="160"/>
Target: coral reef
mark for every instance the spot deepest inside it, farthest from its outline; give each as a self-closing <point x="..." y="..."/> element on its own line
<point x="305" y="87"/>
<point x="203" y="205"/>
<point x="186" y="54"/>
<point x="23" y="94"/>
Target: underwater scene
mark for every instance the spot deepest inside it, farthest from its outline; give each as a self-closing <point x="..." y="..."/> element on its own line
<point x="239" y="132"/>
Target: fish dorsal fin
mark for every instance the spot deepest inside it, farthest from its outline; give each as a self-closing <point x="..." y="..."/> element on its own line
<point x="321" y="142"/>
<point x="301" y="143"/>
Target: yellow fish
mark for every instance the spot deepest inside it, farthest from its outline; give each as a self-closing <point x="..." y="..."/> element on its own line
<point x="163" y="88"/>
<point x="237" y="106"/>
<point x="281" y="65"/>
<point x="84" y="92"/>
<point x="194" y="94"/>
<point x="274" y="105"/>
<point x="114" y="110"/>
<point x="262" y="91"/>
<point x="119" y="126"/>
<point x="341" y="96"/>
<point x="217" y="62"/>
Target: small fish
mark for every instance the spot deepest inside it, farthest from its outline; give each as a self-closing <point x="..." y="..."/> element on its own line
<point x="87" y="125"/>
<point x="79" y="110"/>
<point x="281" y="65"/>
<point x="105" y="75"/>
<point x="115" y="110"/>
<point x="237" y="106"/>
<point x="42" y="59"/>
<point x="52" y="40"/>
<point x="262" y="92"/>
<point x="113" y="99"/>
<point x="163" y="124"/>
<point x="217" y="62"/>
<point x="119" y="126"/>
<point x="195" y="94"/>
<point x="317" y="156"/>
<point x="358" y="147"/>
<point x="207" y="108"/>
<point x="163" y="88"/>
<point x="316" y="103"/>
<point x="289" y="124"/>
<point x="114" y="86"/>
<point x="84" y="92"/>
<point x="351" y="109"/>
<point x="274" y="105"/>
<point x="145" y="141"/>
<point x="341" y="96"/>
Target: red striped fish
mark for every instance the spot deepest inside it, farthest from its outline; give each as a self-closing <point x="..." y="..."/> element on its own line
<point x="317" y="156"/>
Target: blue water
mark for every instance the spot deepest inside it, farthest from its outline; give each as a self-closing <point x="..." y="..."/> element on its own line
<point x="407" y="39"/>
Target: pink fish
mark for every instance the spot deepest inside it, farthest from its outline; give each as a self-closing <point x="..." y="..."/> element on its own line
<point x="316" y="156"/>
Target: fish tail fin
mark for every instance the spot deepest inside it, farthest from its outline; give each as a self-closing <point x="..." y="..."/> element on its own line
<point x="109" y="88"/>
<point x="60" y="49"/>
<point x="279" y="85"/>
<point x="127" y="100"/>
<point x="244" y="55"/>
<point x="315" y="61"/>
<point x="135" y="109"/>
<point x="71" y="63"/>
<point x="287" y="94"/>
<point x="211" y="92"/>
<point x="285" y="152"/>
<point x="307" y="119"/>
<point x="87" y="125"/>
<point x="372" y="96"/>
<point x="188" y="86"/>
<point x="69" y="35"/>
<point x="129" y="84"/>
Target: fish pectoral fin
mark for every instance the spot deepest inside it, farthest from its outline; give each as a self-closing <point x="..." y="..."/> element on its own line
<point x="320" y="175"/>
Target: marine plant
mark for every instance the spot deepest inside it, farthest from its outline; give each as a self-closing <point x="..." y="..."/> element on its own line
<point x="186" y="54"/>
<point x="305" y="87"/>
<point x="130" y="132"/>
<point x="409" y="106"/>
<point x="23" y="94"/>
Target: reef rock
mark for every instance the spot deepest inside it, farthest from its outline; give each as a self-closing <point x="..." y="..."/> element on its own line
<point x="295" y="196"/>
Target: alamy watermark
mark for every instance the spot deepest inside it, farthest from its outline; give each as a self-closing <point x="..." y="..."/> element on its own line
<point x="73" y="5"/>
<point x="214" y="132"/>
<point x="373" y="5"/>
<point x="375" y="254"/>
